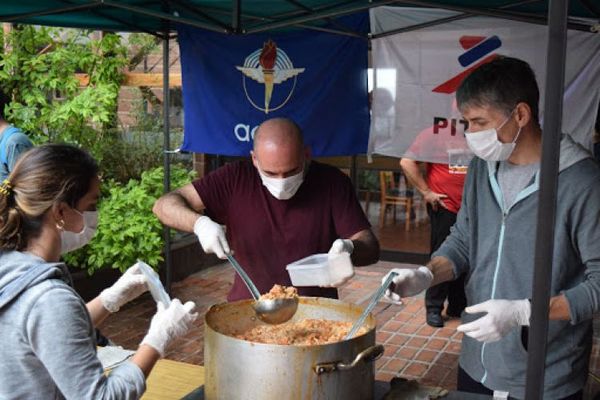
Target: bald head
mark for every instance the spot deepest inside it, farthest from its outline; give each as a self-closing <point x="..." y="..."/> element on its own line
<point x="279" y="148"/>
<point x="278" y="131"/>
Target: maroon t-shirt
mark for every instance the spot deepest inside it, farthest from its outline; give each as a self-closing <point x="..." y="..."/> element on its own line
<point x="266" y="234"/>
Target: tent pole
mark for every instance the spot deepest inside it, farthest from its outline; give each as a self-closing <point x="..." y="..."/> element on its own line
<point x="271" y="19"/>
<point x="354" y="172"/>
<point x="52" y="11"/>
<point x="167" y="157"/>
<point x="162" y="15"/>
<point x="197" y="11"/>
<point x="544" y="243"/>
<point x="236" y="16"/>
<point x="444" y="20"/>
<point x="318" y="15"/>
<point x="118" y="20"/>
<point x="531" y="18"/>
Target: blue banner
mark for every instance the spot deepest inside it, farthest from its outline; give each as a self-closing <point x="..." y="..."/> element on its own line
<point x="233" y="83"/>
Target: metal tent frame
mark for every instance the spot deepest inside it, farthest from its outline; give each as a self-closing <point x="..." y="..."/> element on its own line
<point x="245" y="17"/>
<point x="235" y="17"/>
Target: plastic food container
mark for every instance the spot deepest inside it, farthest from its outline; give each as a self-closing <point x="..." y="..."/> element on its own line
<point x="320" y="270"/>
<point x="155" y="286"/>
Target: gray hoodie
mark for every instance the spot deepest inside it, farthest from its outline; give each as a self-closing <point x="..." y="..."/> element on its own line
<point x="47" y="344"/>
<point x="496" y="246"/>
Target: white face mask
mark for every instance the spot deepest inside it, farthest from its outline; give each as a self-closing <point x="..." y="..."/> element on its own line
<point x="282" y="188"/>
<point x="485" y="144"/>
<point x="72" y="240"/>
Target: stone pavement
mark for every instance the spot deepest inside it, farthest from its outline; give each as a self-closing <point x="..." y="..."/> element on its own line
<point x="413" y="349"/>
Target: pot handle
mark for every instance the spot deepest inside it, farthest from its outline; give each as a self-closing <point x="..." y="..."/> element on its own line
<point x="366" y="356"/>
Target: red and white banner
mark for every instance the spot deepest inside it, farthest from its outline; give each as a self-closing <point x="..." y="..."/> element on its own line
<point x="416" y="75"/>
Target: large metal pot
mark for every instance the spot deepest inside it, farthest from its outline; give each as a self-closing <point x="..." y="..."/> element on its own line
<point x="239" y="369"/>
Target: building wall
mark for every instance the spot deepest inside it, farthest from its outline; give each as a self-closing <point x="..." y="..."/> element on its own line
<point x="131" y="101"/>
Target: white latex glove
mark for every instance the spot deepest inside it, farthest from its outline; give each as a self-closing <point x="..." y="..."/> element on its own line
<point x="502" y="316"/>
<point x="129" y="286"/>
<point x="408" y="282"/>
<point x="169" y="323"/>
<point x="341" y="246"/>
<point x="341" y="280"/>
<point x="211" y="236"/>
<point x="339" y="249"/>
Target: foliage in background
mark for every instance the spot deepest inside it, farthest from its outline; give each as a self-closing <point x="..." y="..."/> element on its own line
<point x="38" y="71"/>
<point x="127" y="155"/>
<point x="368" y="179"/>
<point x="143" y="45"/>
<point x="127" y="228"/>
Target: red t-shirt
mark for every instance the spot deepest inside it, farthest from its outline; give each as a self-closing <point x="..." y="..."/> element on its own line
<point x="266" y="234"/>
<point x="440" y="180"/>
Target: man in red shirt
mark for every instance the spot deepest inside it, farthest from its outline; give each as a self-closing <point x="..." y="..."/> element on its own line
<point x="441" y="188"/>
<point x="279" y="208"/>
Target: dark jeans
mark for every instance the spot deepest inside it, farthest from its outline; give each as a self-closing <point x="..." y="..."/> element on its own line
<point x="441" y="222"/>
<point x="467" y="384"/>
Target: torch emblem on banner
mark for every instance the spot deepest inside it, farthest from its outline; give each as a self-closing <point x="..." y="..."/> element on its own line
<point x="270" y="66"/>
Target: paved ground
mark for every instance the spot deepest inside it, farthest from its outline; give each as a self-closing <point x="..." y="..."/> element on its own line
<point x="412" y="348"/>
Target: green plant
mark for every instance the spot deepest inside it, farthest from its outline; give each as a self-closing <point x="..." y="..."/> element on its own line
<point x="368" y="179"/>
<point x="127" y="229"/>
<point x="38" y="70"/>
<point x="125" y="156"/>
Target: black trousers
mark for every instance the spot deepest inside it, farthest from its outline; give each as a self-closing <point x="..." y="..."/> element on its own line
<point x="467" y="384"/>
<point x="441" y="222"/>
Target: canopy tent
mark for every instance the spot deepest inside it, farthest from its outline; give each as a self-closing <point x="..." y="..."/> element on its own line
<point x="237" y="17"/>
<point x="246" y="17"/>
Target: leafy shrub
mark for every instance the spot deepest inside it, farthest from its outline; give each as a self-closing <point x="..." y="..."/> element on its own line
<point x="124" y="156"/>
<point x="368" y="180"/>
<point x="38" y="73"/>
<point x="127" y="229"/>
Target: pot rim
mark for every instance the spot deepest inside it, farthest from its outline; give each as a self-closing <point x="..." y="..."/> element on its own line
<point x="353" y="309"/>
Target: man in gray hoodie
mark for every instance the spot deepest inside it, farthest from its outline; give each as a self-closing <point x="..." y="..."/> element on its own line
<point x="493" y="241"/>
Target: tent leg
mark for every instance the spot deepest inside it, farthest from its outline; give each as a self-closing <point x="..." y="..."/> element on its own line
<point x="354" y="172"/>
<point x="544" y="244"/>
<point x="167" y="159"/>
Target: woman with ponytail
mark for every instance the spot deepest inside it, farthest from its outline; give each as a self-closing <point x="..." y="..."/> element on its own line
<point x="48" y="207"/>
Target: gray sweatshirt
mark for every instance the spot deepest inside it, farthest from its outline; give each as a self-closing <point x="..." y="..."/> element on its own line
<point x="496" y="247"/>
<point x="47" y="346"/>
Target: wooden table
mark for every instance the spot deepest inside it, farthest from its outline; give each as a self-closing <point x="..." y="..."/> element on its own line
<point x="173" y="380"/>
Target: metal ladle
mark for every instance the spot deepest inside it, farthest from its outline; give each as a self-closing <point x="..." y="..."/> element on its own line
<point x="376" y="297"/>
<point x="271" y="311"/>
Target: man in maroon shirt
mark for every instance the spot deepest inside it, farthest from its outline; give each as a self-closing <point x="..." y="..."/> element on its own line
<point x="279" y="208"/>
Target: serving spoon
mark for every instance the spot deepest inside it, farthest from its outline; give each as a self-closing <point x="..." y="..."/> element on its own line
<point x="271" y="311"/>
<point x="376" y="297"/>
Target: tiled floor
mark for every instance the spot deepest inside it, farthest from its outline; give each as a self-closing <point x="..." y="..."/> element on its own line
<point x="412" y="348"/>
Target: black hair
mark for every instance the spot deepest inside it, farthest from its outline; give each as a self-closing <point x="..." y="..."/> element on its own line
<point x="502" y="83"/>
